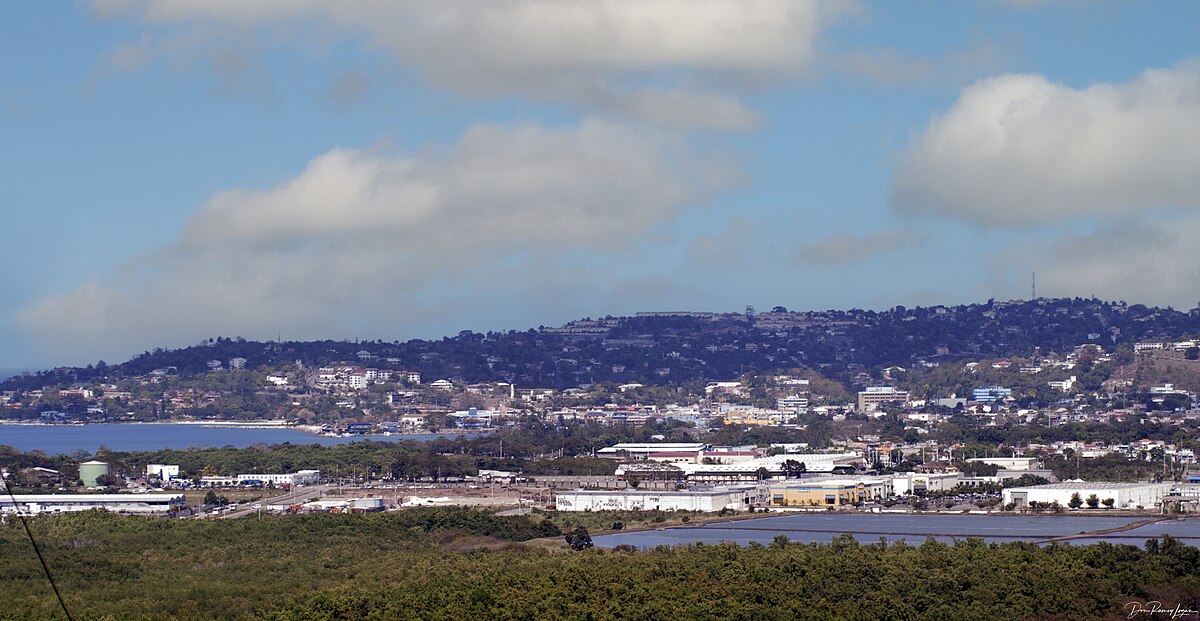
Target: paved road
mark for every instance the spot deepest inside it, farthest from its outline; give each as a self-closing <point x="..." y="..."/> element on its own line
<point x="295" y="497"/>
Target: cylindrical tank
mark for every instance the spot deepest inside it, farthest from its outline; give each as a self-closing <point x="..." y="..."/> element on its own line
<point x="89" y="471"/>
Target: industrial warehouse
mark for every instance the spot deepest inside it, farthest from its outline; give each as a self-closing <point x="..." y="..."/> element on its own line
<point x="736" y="498"/>
<point x="134" y="504"/>
<point x="1111" y="495"/>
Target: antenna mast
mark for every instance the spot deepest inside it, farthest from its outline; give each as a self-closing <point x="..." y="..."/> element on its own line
<point x="1033" y="287"/>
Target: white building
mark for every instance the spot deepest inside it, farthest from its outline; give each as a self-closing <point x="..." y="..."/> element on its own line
<point x="914" y="482"/>
<point x="738" y="498"/>
<point x="302" y="477"/>
<point x="218" y="481"/>
<point x="237" y="363"/>
<point x="1064" y="385"/>
<point x="1165" y="389"/>
<point x="1123" y="495"/>
<point x="162" y="471"/>
<point x="1009" y="463"/>
<point x="143" y="504"/>
<point x="792" y="402"/>
<point x="642" y="450"/>
<point x="720" y="387"/>
<point x="773" y="467"/>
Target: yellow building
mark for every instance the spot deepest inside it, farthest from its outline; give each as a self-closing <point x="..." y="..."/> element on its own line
<point x="818" y="494"/>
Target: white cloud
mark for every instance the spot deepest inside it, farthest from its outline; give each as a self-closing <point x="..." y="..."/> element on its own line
<point x="1149" y="261"/>
<point x="649" y="54"/>
<point x="1020" y="149"/>
<point x="361" y="243"/>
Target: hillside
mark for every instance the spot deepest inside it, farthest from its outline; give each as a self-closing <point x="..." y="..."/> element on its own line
<point x="659" y="348"/>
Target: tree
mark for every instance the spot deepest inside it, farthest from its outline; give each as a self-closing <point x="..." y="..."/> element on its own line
<point x="579" y="539"/>
<point x="1075" y="502"/>
<point x="1093" y="501"/>
<point x="793" y="468"/>
<point x="1108" y="503"/>
<point x="210" y="498"/>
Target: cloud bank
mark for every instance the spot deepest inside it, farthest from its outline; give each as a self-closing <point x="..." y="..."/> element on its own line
<point x="1152" y="261"/>
<point x="364" y="243"/>
<point x="661" y="61"/>
<point x="1019" y="150"/>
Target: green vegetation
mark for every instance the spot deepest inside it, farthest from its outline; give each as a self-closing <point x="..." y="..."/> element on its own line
<point x="442" y="458"/>
<point x="692" y="349"/>
<point x="466" y="564"/>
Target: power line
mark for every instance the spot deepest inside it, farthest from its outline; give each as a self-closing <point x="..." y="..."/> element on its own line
<point x="37" y="549"/>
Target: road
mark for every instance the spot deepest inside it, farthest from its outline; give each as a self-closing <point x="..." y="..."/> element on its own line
<point x="294" y="497"/>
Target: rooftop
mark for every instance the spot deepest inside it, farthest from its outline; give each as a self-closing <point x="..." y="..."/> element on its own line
<point x="1091" y="485"/>
<point x="105" y="498"/>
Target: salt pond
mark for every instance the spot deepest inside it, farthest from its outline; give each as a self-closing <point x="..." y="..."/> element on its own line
<point x="911" y="528"/>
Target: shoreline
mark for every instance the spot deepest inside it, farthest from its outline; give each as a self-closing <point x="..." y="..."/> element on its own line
<point x="314" y="430"/>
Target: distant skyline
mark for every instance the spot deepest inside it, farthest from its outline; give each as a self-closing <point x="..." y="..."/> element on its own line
<point x="179" y="170"/>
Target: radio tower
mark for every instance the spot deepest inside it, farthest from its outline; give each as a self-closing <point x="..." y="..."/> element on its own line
<point x="1033" y="287"/>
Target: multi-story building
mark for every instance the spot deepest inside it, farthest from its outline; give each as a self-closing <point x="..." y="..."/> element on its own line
<point x="991" y="394"/>
<point x="870" y="399"/>
<point x="793" y="402"/>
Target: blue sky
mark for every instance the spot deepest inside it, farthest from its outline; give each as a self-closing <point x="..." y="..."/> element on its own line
<point x="179" y="170"/>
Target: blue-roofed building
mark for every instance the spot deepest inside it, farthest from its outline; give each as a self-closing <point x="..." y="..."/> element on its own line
<point x="991" y="394"/>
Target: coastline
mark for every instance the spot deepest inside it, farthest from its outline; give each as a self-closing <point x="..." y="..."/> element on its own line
<point x="315" y="430"/>
<point x="226" y="424"/>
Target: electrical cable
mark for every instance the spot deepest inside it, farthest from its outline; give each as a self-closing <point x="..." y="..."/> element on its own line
<point x="37" y="549"/>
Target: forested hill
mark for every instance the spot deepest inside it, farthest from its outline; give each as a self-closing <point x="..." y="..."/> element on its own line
<point x="658" y="348"/>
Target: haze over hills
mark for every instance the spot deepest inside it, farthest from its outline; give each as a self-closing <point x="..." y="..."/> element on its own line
<point x="676" y="347"/>
<point x="6" y="373"/>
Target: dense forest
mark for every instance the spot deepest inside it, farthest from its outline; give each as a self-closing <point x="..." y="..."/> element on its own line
<point x="468" y="564"/>
<point x="680" y="347"/>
